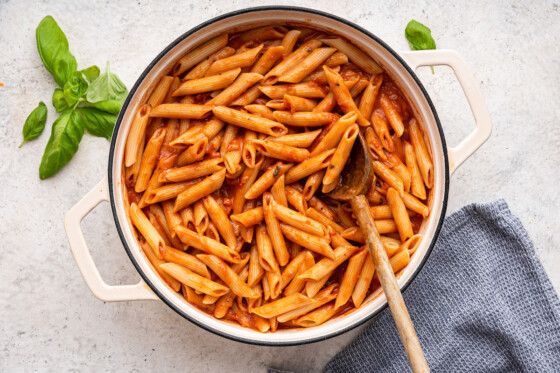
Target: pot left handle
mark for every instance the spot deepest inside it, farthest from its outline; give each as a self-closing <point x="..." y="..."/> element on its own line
<point x="99" y="288"/>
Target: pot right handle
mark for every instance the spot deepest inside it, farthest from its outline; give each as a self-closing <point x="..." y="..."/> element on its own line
<point x="472" y="92"/>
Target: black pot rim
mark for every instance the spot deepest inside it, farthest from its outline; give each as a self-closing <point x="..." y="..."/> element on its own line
<point x="149" y="68"/>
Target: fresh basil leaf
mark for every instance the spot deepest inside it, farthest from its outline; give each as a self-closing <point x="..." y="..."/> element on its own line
<point x="75" y="88"/>
<point x="110" y="106"/>
<point x="419" y="37"/>
<point x="35" y="123"/>
<point x="97" y="122"/>
<point x="91" y="73"/>
<point x="53" y="49"/>
<point x="107" y="86"/>
<point x="58" y="101"/>
<point x="66" y="134"/>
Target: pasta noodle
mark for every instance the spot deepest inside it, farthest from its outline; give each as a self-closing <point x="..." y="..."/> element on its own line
<point x="228" y="160"/>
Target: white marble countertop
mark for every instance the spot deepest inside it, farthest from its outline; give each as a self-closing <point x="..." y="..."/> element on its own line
<point x="51" y="321"/>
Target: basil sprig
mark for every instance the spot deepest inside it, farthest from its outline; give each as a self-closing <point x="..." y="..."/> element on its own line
<point x="86" y="99"/>
<point x="35" y="123"/>
<point x="107" y="86"/>
<point x="53" y="49"/>
<point x="66" y="134"/>
<point x="419" y="37"/>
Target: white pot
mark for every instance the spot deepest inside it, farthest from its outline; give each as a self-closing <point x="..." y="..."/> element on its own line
<point x="400" y="66"/>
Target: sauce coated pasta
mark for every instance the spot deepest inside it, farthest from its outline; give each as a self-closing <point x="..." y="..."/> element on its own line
<point x="229" y="161"/>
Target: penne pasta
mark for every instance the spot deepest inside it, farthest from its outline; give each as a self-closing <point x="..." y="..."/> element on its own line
<point x="200" y="70"/>
<point x="318" y="316"/>
<point x="227" y="275"/>
<point x="248" y="97"/>
<point x="238" y="60"/>
<point x="388" y="176"/>
<point x="328" y="103"/>
<point x="147" y="230"/>
<point x="370" y="95"/>
<point x="297" y="284"/>
<point x="392" y="114"/>
<point x="292" y="268"/>
<point x="355" y="55"/>
<point x="364" y="281"/>
<point x="422" y="155"/>
<point x="305" y="119"/>
<point x="261" y="110"/>
<point x="326" y="265"/>
<point x="199" y="190"/>
<point x="308" y="65"/>
<point x="156" y="262"/>
<point x="256" y="271"/>
<point x="149" y="159"/>
<point x="339" y="158"/>
<point x="417" y="188"/>
<point x="290" y="61"/>
<point x="283" y="305"/>
<point x="267" y="259"/>
<point x="228" y="95"/>
<point x="135" y="138"/>
<point x="160" y="91"/>
<point x="295" y="219"/>
<point x="180" y="111"/>
<point x="274" y="232"/>
<point x="295" y="199"/>
<point x="223" y="165"/>
<point x="414" y="204"/>
<point x="295" y="103"/>
<point x="350" y="278"/>
<point x="221" y="221"/>
<point x="250" y="217"/>
<point x="261" y="33"/>
<point x="308" y="89"/>
<point x="309" y="166"/>
<point x="312" y="287"/>
<point x="336" y="59"/>
<point x="280" y="151"/>
<point x="206" y="84"/>
<point x="304" y="139"/>
<point x="267" y="179"/>
<point x="267" y="60"/>
<point x="186" y="260"/>
<point x="278" y="191"/>
<point x="193" y="280"/>
<point x="199" y="54"/>
<point x="192" y="171"/>
<point x="207" y="245"/>
<point x="193" y="153"/>
<point x="323" y="297"/>
<point x="332" y="137"/>
<point x="250" y="121"/>
<point x="342" y="95"/>
<point x="314" y="243"/>
<point x="381" y="129"/>
<point x="289" y="41"/>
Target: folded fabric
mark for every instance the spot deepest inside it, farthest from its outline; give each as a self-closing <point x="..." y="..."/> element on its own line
<point x="483" y="303"/>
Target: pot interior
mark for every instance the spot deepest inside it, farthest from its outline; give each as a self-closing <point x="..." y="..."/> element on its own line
<point x="243" y="20"/>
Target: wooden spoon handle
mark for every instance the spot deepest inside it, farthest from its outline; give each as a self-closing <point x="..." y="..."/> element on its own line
<point x="386" y="276"/>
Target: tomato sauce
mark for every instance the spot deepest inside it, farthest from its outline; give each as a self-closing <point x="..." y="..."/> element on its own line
<point x="225" y="195"/>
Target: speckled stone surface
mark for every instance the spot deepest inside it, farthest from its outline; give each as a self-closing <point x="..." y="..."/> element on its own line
<point x="50" y="321"/>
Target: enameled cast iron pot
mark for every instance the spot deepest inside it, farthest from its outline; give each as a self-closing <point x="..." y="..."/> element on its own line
<point x="400" y="66"/>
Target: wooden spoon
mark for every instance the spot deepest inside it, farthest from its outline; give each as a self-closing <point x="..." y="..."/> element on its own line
<point x="356" y="179"/>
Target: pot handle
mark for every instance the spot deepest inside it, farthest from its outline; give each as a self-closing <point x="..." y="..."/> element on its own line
<point x="466" y="79"/>
<point x="98" y="287"/>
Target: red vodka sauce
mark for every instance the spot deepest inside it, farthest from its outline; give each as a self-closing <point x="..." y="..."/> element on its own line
<point x="225" y="195"/>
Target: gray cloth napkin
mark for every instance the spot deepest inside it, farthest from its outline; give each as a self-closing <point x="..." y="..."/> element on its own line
<point x="482" y="303"/>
